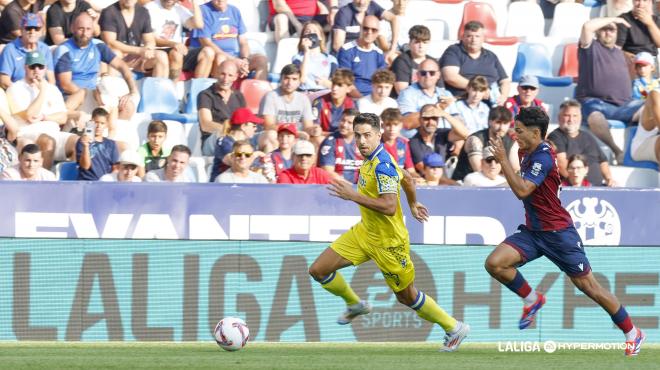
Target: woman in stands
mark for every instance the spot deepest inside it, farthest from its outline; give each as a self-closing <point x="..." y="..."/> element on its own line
<point x="315" y="63"/>
<point x="577" y="171"/>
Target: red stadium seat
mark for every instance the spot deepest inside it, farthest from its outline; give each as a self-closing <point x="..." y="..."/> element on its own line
<point x="569" y="62"/>
<point x="254" y="91"/>
<point x="484" y="13"/>
<point x="448" y="1"/>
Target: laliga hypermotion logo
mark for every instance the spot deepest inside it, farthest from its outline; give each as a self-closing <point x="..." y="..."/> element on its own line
<point x="597" y="221"/>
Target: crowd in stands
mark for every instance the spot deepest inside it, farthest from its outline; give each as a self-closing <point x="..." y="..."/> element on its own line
<point x="71" y="73"/>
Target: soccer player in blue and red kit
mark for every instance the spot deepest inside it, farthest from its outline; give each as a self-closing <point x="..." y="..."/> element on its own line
<point x="549" y="229"/>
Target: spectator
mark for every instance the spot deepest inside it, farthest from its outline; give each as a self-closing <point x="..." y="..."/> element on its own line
<point x="78" y="68"/>
<point x="469" y="159"/>
<point x="641" y="33"/>
<point x="431" y="139"/>
<point x="350" y="21"/>
<point x="14" y="54"/>
<point x="468" y="58"/>
<point x="243" y="127"/>
<point x="281" y="158"/>
<point x="434" y="171"/>
<point x="394" y="143"/>
<point x="490" y="173"/>
<point x="645" y="145"/>
<point x="603" y="85"/>
<point x="316" y="65"/>
<point x="473" y="111"/>
<point x="239" y="172"/>
<point x="29" y="168"/>
<point x="8" y="126"/>
<point x="224" y="32"/>
<point x="330" y="107"/>
<point x="38" y="109"/>
<point x="168" y="18"/>
<point x="577" y="172"/>
<point x="406" y="65"/>
<point x="570" y="139"/>
<point x="382" y="82"/>
<point x="528" y="89"/>
<point x="287" y="17"/>
<point x="363" y="57"/>
<point x="286" y="105"/>
<point x="216" y="104"/>
<point x="12" y="18"/>
<point x="304" y="171"/>
<point x="339" y="154"/>
<point x="153" y="154"/>
<point x="129" y="162"/>
<point x="425" y="91"/>
<point x="60" y="17"/>
<point x="644" y="82"/>
<point x="175" y="169"/>
<point x="136" y="43"/>
<point x="96" y="155"/>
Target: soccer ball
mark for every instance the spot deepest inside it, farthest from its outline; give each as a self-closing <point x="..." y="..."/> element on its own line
<point x="231" y="333"/>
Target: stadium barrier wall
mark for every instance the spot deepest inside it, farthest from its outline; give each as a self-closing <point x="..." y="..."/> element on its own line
<point x="466" y="216"/>
<point x="137" y="290"/>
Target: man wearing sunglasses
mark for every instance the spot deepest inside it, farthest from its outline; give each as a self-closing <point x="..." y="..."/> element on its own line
<point x="490" y="174"/>
<point x="243" y="155"/>
<point x="528" y="89"/>
<point x="349" y="23"/>
<point x="12" y="14"/>
<point x="304" y="170"/>
<point x="13" y="56"/>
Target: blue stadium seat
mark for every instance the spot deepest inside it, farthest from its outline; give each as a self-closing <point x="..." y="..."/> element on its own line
<point x="533" y="60"/>
<point x="158" y="95"/>
<point x="627" y="158"/>
<point x="67" y="171"/>
<point x="196" y="86"/>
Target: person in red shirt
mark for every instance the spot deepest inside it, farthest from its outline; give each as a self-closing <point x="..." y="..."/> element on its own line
<point x="304" y="170"/>
<point x="288" y="16"/>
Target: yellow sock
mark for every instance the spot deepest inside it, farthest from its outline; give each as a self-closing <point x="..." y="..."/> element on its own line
<point x="335" y="284"/>
<point x="429" y="310"/>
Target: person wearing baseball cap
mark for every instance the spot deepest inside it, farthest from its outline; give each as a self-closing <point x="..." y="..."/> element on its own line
<point x="434" y="170"/>
<point x="13" y="16"/>
<point x="129" y="161"/>
<point x="12" y="59"/>
<point x="281" y="158"/>
<point x="304" y="170"/>
<point x="644" y="82"/>
<point x="242" y="126"/>
<point x="528" y="89"/>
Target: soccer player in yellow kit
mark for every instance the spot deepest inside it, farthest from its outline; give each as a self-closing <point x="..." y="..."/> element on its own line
<point x="380" y="236"/>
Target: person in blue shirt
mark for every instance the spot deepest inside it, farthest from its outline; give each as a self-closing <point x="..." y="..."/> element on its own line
<point x="224" y="32"/>
<point x="362" y="56"/>
<point x="12" y="59"/>
<point x="78" y="63"/>
<point x="96" y="155"/>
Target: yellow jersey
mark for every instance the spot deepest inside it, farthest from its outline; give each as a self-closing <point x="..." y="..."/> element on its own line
<point x="379" y="174"/>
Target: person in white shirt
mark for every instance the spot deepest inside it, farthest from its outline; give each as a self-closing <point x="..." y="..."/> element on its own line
<point x="29" y="167"/>
<point x="382" y="82"/>
<point x="128" y="168"/>
<point x="38" y="108"/>
<point x="490" y="174"/>
<point x="168" y="18"/>
<point x="175" y="169"/>
<point x="239" y="173"/>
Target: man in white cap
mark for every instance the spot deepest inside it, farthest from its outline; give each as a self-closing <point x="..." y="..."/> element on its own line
<point x="528" y="89"/>
<point x="304" y="170"/>
<point x="128" y="167"/>
<point x="490" y="174"/>
<point x="644" y="82"/>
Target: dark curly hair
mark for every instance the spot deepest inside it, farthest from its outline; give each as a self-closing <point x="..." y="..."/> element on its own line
<point x="368" y="119"/>
<point x="534" y="117"/>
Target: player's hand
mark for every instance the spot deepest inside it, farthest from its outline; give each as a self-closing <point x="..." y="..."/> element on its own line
<point x="498" y="149"/>
<point x="419" y="212"/>
<point x="341" y="188"/>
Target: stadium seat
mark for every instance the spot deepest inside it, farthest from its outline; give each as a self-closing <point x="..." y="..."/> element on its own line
<point x="197" y="166"/>
<point x="250" y="13"/>
<point x="506" y="53"/>
<point x="627" y="158"/>
<point x="484" y="13"/>
<point x="286" y="49"/>
<point x="254" y="91"/>
<point x="164" y="101"/>
<point x="525" y="19"/>
<point x="569" y="63"/>
<point x="568" y="20"/>
<point x="197" y="85"/>
<point x="427" y="13"/>
<point x="66" y="171"/>
<point x="438" y="47"/>
<point x="501" y="8"/>
<point x="451" y="12"/>
<point x="194" y="137"/>
<point x="533" y="60"/>
<point x="448" y="1"/>
<point x="631" y="177"/>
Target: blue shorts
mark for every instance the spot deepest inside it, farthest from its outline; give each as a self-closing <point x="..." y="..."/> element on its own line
<point x="622" y="113"/>
<point x="563" y="247"/>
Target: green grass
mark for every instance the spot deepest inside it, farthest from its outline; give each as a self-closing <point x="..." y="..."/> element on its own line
<point x="380" y="356"/>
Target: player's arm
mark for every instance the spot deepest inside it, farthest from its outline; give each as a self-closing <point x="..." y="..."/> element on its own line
<point x="385" y="203"/>
<point x="521" y="187"/>
<point x="418" y="210"/>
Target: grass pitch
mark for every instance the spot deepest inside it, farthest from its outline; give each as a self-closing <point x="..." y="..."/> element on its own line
<point x="380" y="356"/>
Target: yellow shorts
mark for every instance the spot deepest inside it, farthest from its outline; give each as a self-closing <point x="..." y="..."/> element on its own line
<point x="393" y="261"/>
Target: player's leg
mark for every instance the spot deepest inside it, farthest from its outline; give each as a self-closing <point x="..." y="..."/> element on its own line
<point x="502" y="264"/>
